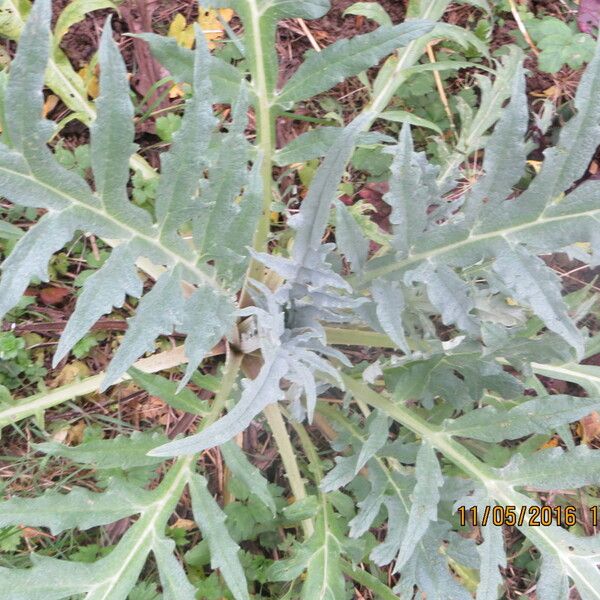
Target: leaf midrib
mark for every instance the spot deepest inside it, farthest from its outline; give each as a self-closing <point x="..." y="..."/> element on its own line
<point x="135" y="233"/>
<point x="470" y="239"/>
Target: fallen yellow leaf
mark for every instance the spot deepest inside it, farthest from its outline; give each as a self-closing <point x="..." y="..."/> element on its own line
<point x="180" y="31"/>
<point x="551" y="443"/>
<point x="71" y="372"/>
<point x="50" y="104"/>
<point x="90" y="80"/>
<point x="209" y="22"/>
<point x="211" y="25"/>
<point x="75" y="433"/>
<point x="186" y="524"/>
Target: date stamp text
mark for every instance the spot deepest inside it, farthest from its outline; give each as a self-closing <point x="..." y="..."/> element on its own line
<point x="533" y="516"/>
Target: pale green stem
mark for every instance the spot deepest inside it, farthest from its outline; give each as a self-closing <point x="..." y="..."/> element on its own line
<point x="459" y="455"/>
<point x="265" y="133"/>
<point x="265" y="137"/>
<point x="288" y="457"/>
<point x="36" y="404"/>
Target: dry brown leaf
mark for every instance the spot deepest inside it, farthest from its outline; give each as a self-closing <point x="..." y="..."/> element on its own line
<point x="53" y="295"/>
<point x="590" y="427"/>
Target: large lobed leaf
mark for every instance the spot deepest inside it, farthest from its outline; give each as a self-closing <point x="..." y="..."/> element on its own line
<point x="30" y="175"/>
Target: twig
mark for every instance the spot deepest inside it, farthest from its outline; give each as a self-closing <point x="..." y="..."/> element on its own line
<point x="522" y="28"/>
<point x="308" y="34"/>
<point x="440" y="87"/>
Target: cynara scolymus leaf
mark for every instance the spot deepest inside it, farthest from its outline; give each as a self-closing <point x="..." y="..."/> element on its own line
<point x="180" y="168"/>
<point x="310" y="223"/>
<point x="378" y="428"/>
<point x="475" y="125"/>
<point x="322" y="70"/>
<point x="505" y="154"/>
<point x="114" y="575"/>
<point x="542" y="415"/>
<point x="309" y="9"/>
<point x="324" y="578"/>
<point x="428" y="569"/>
<point x="315" y="143"/>
<point x="425" y="498"/>
<point x="347" y="467"/>
<point x="294" y="355"/>
<point x="170" y="392"/>
<point x="369" y="507"/>
<point x="553" y="468"/>
<point x="48" y="579"/>
<point x="223" y="550"/>
<point x="256" y="395"/>
<point x="112" y="135"/>
<point x="173" y="580"/>
<point x="409" y="194"/>
<point x="224" y="224"/>
<point x="490" y="228"/>
<point x="206" y="318"/>
<point x="159" y="312"/>
<point x="448" y="293"/>
<point x="100" y="295"/>
<point x="122" y="452"/>
<point x="260" y="21"/>
<point x="30" y="175"/>
<point x="533" y="283"/>
<point x="320" y="557"/>
<point x="493" y="556"/>
<point x="568" y="556"/>
<point x="225" y="79"/>
<point x="397" y="518"/>
<point x="553" y="583"/>
<point x="460" y="378"/>
<point x="566" y="162"/>
<point x="350" y="238"/>
<point x="390" y="303"/>
<point x="245" y="471"/>
<point x="80" y="508"/>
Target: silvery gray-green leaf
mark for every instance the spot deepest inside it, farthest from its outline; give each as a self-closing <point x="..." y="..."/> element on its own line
<point x="322" y="70"/>
<point x="493" y="557"/>
<point x="536" y="285"/>
<point x="242" y="468"/>
<point x="349" y="237"/>
<point x="121" y="452"/>
<point x="390" y="303"/>
<point x="80" y="508"/>
<point x="553" y="468"/>
<point x="174" y="581"/>
<point x="224" y="551"/>
<point x="542" y="415"/>
<point x="225" y="78"/>
<point x="425" y="498"/>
